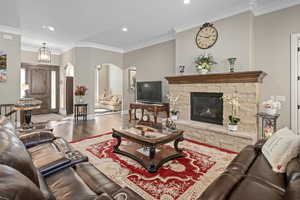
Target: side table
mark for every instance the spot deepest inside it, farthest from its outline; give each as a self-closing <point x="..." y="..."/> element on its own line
<point x="80" y="111"/>
<point x="268" y="124"/>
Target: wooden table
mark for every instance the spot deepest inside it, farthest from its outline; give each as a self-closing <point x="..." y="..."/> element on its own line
<point x="80" y="110"/>
<point x="155" y="108"/>
<point x="157" y="153"/>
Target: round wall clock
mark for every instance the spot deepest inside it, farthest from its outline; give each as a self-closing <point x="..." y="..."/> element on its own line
<point x="207" y="36"/>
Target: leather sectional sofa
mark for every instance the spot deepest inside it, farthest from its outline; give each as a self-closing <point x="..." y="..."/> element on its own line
<point x="35" y="166"/>
<point x="250" y="177"/>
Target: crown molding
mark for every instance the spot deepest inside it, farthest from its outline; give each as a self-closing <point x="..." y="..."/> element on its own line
<point x="97" y="46"/>
<point x="274" y="6"/>
<point x="149" y="43"/>
<point x="11" y="30"/>
<point x="213" y="19"/>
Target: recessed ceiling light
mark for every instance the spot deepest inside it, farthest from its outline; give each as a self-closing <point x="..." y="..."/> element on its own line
<point x="49" y="28"/>
<point x="124" y="29"/>
<point x="187" y="1"/>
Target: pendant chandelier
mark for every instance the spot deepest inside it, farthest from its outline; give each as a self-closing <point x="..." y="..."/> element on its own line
<point x="44" y="54"/>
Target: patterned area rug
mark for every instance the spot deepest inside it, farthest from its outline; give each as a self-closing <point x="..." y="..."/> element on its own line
<point x="181" y="179"/>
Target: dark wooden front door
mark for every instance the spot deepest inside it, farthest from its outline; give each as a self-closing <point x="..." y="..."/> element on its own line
<point x="39" y="78"/>
<point x="69" y="95"/>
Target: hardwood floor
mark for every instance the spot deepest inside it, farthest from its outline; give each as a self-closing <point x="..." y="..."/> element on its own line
<point x="70" y="130"/>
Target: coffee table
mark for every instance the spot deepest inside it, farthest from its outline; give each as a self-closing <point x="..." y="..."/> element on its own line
<point x="146" y="145"/>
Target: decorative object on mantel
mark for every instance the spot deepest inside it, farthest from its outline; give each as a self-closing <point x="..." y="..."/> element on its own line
<point x="181" y="69"/>
<point x="3" y="66"/>
<point x="207" y="36"/>
<point x="204" y="63"/>
<point x="271" y="106"/>
<point x="236" y="77"/>
<point x="268" y="124"/>
<point x="231" y="64"/>
<point x="80" y="92"/>
<point x="173" y="106"/>
<point x="233" y="119"/>
<point x="44" y="55"/>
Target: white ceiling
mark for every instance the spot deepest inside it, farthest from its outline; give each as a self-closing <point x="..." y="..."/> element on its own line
<point x="98" y="23"/>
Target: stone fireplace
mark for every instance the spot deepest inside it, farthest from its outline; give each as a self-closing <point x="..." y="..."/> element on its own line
<point x="207" y="107"/>
<point x="203" y="114"/>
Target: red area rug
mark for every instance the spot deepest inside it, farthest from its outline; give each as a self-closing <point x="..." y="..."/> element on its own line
<point x="181" y="179"/>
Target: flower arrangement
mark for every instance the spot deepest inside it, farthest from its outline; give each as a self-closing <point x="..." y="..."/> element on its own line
<point x="173" y="103"/>
<point x="80" y="91"/>
<point x="204" y="63"/>
<point x="271" y="106"/>
<point x="233" y="118"/>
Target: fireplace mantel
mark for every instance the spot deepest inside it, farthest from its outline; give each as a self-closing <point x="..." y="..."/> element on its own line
<point x="235" y="77"/>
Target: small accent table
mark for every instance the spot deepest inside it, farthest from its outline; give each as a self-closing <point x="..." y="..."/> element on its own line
<point x="80" y="111"/>
<point x="268" y="124"/>
<point x="147" y="146"/>
<point x="155" y="108"/>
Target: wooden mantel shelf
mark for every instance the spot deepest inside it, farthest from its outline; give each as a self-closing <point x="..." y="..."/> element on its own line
<point x="235" y="77"/>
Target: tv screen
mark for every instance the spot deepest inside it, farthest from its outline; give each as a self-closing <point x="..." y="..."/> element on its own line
<point x="149" y="92"/>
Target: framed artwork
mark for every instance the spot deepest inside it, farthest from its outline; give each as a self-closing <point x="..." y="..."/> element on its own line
<point x="132" y="79"/>
<point x="3" y="66"/>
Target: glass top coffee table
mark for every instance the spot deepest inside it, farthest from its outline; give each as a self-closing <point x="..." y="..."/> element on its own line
<point x="147" y="145"/>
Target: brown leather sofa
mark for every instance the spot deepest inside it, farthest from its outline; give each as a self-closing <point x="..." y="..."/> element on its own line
<point x="250" y="177"/>
<point x="22" y="157"/>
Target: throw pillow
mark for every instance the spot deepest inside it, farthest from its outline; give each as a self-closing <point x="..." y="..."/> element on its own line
<point x="282" y="147"/>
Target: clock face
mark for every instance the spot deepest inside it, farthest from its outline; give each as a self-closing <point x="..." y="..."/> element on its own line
<point x="207" y="36"/>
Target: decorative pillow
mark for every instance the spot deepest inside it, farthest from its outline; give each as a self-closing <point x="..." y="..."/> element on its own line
<point x="282" y="147"/>
<point x="115" y="99"/>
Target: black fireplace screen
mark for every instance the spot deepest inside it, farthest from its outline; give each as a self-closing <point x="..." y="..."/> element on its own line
<point x="207" y="107"/>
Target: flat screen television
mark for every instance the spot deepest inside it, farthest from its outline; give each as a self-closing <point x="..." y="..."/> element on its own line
<point x="149" y="92"/>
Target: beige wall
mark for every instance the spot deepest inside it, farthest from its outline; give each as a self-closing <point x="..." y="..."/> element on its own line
<point x="86" y="61"/>
<point x="10" y="90"/>
<point x="152" y="63"/>
<point x="32" y="58"/>
<point x="235" y="38"/>
<point x="272" y="51"/>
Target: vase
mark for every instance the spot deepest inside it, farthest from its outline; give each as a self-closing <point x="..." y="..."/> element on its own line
<point x="174" y="117"/>
<point x="231" y="64"/>
<point x="232" y="128"/>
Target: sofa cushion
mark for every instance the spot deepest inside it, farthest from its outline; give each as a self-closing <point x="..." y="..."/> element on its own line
<point x="16" y="186"/>
<point x="281" y="148"/>
<point x="44" y="188"/>
<point x="262" y="169"/>
<point x="222" y="186"/>
<point x="14" y="154"/>
<point x="293" y="169"/>
<point x="97" y="181"/>
<point x="251" y="186"/>
<point x="67" y="185"/>
<point x="292" y="190"/>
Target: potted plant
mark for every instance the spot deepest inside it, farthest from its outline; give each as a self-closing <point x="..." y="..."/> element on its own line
<point x="173" y="106"/>
<point x="80" y="91"/>
<point x="271" y="106"/>
<point x="204" y="63"/>
<point x="234" y="120"/>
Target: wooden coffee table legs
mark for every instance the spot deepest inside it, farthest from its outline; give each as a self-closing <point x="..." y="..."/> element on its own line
<point x="156" y="157"/>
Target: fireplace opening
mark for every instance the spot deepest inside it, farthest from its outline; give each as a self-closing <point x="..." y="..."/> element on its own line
<point x="207" y="107"/>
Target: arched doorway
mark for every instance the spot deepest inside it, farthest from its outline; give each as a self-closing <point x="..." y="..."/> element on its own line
<point x="108" y="88"/>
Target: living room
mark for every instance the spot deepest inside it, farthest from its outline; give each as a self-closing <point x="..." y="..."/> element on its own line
<point x="177" y="100"/>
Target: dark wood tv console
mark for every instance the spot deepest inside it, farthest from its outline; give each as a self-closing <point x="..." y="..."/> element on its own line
<point x="155" y="108"/>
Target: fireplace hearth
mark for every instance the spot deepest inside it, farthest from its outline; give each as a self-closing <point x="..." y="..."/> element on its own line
<point x="207" y="107"/>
